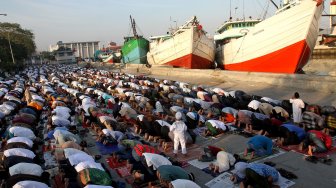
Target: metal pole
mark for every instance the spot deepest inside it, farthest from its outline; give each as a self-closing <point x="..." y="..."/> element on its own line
<point x="10" y="47"/>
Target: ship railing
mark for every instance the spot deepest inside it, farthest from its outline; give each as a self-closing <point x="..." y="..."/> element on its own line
<point x="288" y="6"/>
<point x="191" y="21"/>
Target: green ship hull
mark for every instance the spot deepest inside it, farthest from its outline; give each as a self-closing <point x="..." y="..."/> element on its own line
<point x="134" y="50"/>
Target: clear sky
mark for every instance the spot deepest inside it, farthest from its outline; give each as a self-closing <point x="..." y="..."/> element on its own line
<point x="108" y="20"/>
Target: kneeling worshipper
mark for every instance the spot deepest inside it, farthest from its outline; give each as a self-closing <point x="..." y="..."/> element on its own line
<point x="182" y="183"/>
<point x="290" y="134"/>
<point x="260" y="175"/>
<point x="215" y="127"/>
<point x="28" y="183"/>
<point x="144" y="172"/>
<point x="62" y="136"/>
<point x="26" y="172"/>
<point x="139" y="149"/>
<point x="19" y="142"/>
<point x="259" y="145"/>
<point x="317" y="142"/>
<point x="224" y="162"/>
<point x="238" y="173"/>
<point x="169" y="173"/>
<point x="17" y="131"/>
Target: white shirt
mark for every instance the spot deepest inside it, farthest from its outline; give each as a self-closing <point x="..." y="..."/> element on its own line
<point x="22" y="140"/>
<point x="254" y="104"/>
<point x="217" y="124"/>
<point x="232" y="93"/>
<point x="88" y="164"/>
<point x="163" y="123"/>
<point x="220" y="91"/>
<point x="192" y="115"/>
<point x="37" y="97"/>
<point x="19" y="152"/>
<point x="155" y="160"/>
<point x="126" y="110"/>
<point x="115" y="134"/>
<point x="62" y="111"/>
<point x="71" y="151"/>
<point x="186" y="90"/>
<point x="176" y="108"/>
<point x="103" y="119"/>
<point x="5" y="110"/>
<point x="182" y="183"/>
<point x="22" y="132"/>
<point x="224" y="161"/>
<point x="158" y="106"/>
<point x="26" y="168"/>
<point x="298" y="104"/>
<point x="30" y="184"/>
<point x="200" y="94"/>
<point x="267" y="99"/>
<point x="230" y="110"/>
<point x="188" y="100"/>
<point x="79" y="157"/>
<point x="205" y="105"/>
<point x="97" y="186"/>
<point x="60" y="121"/>
<point x="178" y="127"/>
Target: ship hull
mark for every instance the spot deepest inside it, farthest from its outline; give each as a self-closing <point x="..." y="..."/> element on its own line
<point x="134" y="51"/>
<point x="189" y="49"/>
<point x="282" y="43"/>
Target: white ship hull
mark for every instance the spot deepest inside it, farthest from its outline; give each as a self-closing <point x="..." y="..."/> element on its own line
<point x="282" y="43"/>
<point x="189" y="49"/>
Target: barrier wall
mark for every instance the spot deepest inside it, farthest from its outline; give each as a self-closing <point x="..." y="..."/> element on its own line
<point x="301" y="81"/>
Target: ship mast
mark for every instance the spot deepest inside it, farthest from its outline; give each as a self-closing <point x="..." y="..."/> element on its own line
<point x="276" y="6"/>
<point x="133" y="27"/>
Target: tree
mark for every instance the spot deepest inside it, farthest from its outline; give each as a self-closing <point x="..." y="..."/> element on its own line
<point x="47" y="55"/>
<point x="22" y="43"/>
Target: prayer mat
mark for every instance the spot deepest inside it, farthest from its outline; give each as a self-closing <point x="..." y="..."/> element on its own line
<point x="184" y="164"/>
<point x="193" y="152"/>
<point x="257" y="158"/>
<point x="199" y="130"/>
<point x="84" y="125"/>
<point x="114" y="163"/>
<point x="223" y="180"/>
<point x="123" y="172"/>
<point x="58" y="182"/>
<point x="46" y="148"/>
<point x="212" y="173"/>
<point x="129" y="179"/>
<point x="305" y="151"/>
<point x="106" y="150"/>
<point x="199" y="164"/>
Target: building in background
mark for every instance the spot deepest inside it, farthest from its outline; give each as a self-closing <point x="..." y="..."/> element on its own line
<point x="83" y="50"/>
<point x="64" y="55"/>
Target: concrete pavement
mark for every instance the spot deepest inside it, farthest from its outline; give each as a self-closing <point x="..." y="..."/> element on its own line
<point x="309" y="174"/>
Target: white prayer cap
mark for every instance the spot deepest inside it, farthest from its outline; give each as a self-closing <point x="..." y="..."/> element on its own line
<point x="178" y="115"/>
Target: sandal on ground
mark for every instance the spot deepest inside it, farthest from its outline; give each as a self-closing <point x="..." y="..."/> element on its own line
<point x="287" y="174"/>
<point x="325" y="161"/>
<point x="312" y="159"/>
<point x="269" y="163"/>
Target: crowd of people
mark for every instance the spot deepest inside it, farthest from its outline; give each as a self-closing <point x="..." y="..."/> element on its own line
<point x="48" y="112"/>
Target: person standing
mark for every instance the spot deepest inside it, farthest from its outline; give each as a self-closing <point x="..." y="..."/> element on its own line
<point x="179" y="128"/>
<point x="297" y="105"/>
